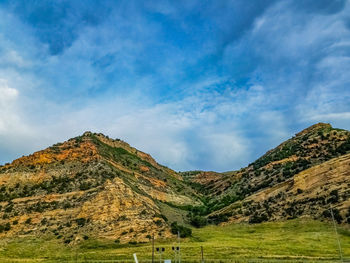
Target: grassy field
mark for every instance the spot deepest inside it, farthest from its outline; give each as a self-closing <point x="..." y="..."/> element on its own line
<point x="290" y="241"/>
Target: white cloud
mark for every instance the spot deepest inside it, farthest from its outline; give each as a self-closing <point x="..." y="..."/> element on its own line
<point x="8" y="116"/>
<point x="332" y="116"/>
<point x="43" y="99"/>
<point x="6" y="92"/>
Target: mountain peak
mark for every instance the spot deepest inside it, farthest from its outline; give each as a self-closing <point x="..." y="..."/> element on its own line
<point x="87" y="182"/>
<point x="316" y="127"/>
<point x="87" y="134"/>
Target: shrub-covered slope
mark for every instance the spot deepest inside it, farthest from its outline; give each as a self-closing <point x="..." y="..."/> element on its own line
<point x="93" y="186"/>
<point x="309" y="148"/>
<point x="90" y="185"/>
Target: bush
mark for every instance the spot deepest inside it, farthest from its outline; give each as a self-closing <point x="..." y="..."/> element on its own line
<point x="122" y="218"/>
<point x="85" y="186"/>
<point x="7" y="226"/>
<point x="256" y="218"/>
<point x="182" y="230"/>
<point x="164" y="217"/>
<point x="337" y="216"/>
<point x="198" y="221"/>
<point x="67" y="205"/>
<point x="158" y="222"/>
<point x="219" y="218"/>
<point x="81" y="221"/>
<point x="9" y="208"/>
<point x="327" y="214"/>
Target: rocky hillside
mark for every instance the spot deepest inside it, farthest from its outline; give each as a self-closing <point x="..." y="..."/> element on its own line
<point x="280" y="166"/>
<point x="94" y="186"/>
<point x="309" y="193"/>
<point x="90" y="185"/>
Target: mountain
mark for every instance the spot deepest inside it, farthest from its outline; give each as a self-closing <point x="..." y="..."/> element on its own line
<point x="94" y="186"/>
<point x="271" y="188"/>
<point x="309" y="193"/>
<point x="90" y="185"/>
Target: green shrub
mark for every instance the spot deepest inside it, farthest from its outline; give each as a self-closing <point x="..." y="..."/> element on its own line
<point x="122" y="218"/>
<point x="256" y="218"/>
<point x="7" y="226"/>
<point x="218" y="218"/>
<point x="337" y="216"/>
<point x="9" y="208"/>
<point x="81" y="221"/>
<point x="334" y="197"/>
<point x="182" y="230"/>
<point x="158" y="222"/>
<point x="198" y="221"/>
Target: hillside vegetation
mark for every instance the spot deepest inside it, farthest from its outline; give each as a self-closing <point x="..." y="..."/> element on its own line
<point x="104" y="199"/>
<point x="90" y="186"/>
<point x="242" y="195"/>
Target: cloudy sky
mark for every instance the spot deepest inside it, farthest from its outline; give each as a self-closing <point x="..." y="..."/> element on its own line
<point x="199" y="84"/>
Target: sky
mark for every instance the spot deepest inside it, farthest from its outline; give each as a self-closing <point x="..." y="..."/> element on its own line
<point x="198" y="84"/>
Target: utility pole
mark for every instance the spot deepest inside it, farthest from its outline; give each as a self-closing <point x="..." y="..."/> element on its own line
<point x="202" y="254"/>
<point x="336" y="233"/>
<point x="176" y="250"/>
<point x="160" y="250"/>
<point x="178" y="237"/>
<point x="153" y="248"/>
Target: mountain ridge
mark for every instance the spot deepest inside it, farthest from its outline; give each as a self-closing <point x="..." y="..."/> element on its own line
<point x="75" y="187"/>
<point x="92" y="185"/>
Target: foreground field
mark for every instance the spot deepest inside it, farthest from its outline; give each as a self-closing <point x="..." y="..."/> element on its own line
<point x="290" y="241"/>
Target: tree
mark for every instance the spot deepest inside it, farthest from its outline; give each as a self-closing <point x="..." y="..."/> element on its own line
<point x="184" y="231"/>
<point x="198" y="221"/>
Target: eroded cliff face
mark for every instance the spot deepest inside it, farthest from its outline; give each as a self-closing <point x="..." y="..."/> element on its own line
<point x="90" y="185"/>
<point x="94" y="186"/>
<point x="267" y="188"/>
<point x="309" y="193"/>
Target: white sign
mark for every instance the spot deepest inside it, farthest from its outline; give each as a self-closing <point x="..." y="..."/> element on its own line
<point x="167" y="260"/>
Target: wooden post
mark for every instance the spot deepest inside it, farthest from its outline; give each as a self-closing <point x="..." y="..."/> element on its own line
<point x="202" y="254"/>
<point x="153" y="248"/>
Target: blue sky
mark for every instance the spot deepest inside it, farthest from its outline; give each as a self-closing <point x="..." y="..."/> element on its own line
<point x="208" y="85"/>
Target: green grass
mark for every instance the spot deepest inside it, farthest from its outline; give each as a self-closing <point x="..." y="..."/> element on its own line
<point x="290" y="241"/>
